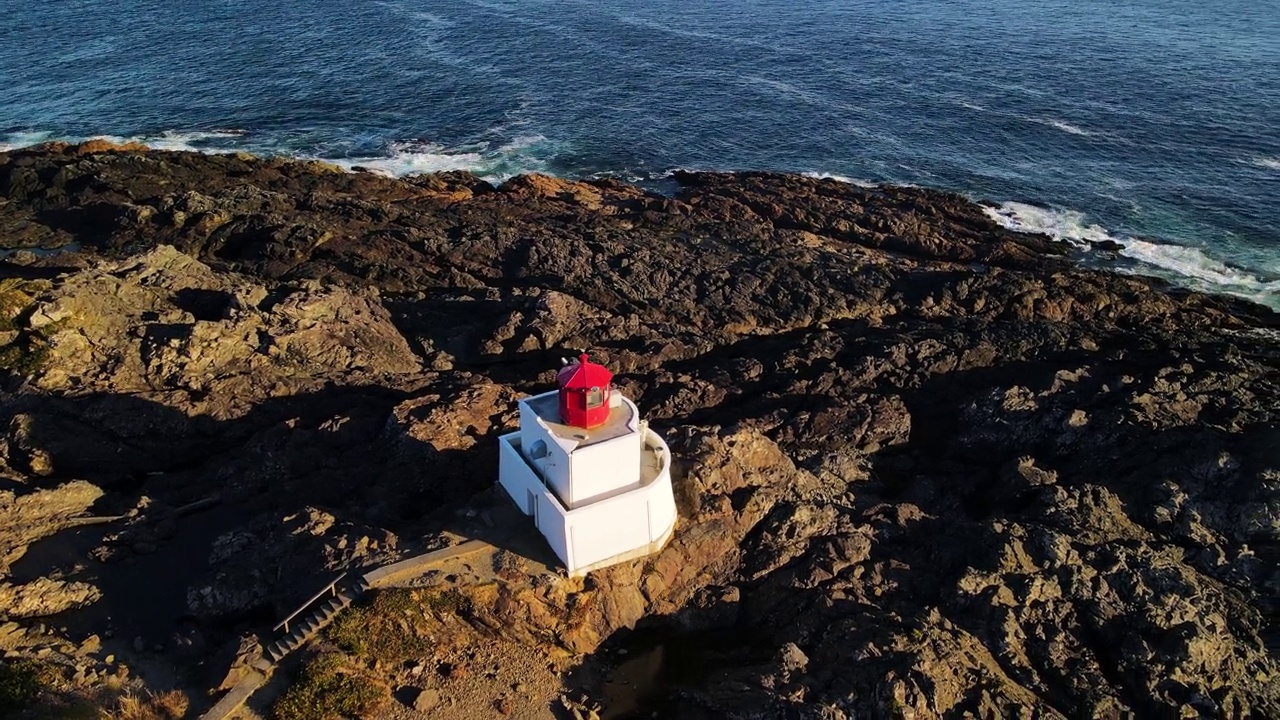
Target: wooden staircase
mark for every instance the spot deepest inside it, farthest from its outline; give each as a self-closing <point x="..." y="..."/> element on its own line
<point x="310" y="625"/>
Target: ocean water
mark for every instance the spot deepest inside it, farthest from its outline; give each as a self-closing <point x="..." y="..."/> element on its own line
<point x="1154" y="123"/>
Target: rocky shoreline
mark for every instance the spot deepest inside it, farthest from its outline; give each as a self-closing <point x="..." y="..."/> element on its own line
<point x="925" y="466"/>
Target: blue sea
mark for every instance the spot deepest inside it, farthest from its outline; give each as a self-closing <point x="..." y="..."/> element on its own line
<point x="1154" y="123"/>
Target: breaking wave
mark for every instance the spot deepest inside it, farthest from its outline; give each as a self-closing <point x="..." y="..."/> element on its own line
<point x="1267" y="163"/>
<point x="842" y="178"/>
<point x="206" y="141"/>
<point x="1065" y="127"/>
<point x="15" y="140"/>
<point x="1192" y="262"/>
<point x="1068" y="225"/>
<point x="518" y="156"/>
<point x="200" y="141"/>
<point x="492" y="161"/>
<point x="1181" y="264"/>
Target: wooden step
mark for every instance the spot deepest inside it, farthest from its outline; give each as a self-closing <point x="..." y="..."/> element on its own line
<point x="301" y="631"/>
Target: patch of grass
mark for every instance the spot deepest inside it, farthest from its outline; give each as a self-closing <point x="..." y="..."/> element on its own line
<point x="392" y="627"/>
<point x="43" y="690"/>
<point x="170" y="705"/>
<point x="132" y="707"/>
<point x="76" y="709"/>
<point x="330" y="688"/>
<point x="450" y="601"/>
<point x="173" y="704"/>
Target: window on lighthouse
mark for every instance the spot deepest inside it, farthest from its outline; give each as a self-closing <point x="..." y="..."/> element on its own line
<point x="595" y="397"/>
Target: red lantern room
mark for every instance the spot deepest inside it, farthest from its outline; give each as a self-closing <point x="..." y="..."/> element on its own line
<point x="584" y="393"/>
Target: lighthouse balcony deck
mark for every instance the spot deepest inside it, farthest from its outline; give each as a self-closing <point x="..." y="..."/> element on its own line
<point x="622" y="419"/>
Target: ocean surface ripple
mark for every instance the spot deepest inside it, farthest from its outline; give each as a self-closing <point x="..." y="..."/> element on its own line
<point x="1151" y="123"/>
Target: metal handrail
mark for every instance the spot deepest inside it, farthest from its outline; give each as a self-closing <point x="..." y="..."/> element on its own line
<point x="331" y="586"/>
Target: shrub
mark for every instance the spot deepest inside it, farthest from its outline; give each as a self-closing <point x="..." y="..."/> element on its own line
<point x="173" y="704"/>
<point x="132" y="707"/>
<point x="170" y="705"/>
<point x="20" y="684"/>
<point x="329" y="689"/>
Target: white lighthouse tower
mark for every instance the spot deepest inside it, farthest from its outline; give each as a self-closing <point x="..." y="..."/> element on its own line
<point x="594" y="477"/>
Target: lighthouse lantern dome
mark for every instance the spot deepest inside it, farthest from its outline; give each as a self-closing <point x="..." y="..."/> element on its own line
<point x="585" y="389"/>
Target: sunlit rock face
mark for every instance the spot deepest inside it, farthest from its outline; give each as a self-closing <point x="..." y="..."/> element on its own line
<point x="923" y="465"/>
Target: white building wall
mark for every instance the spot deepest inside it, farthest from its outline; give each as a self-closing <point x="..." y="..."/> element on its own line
<point x="600" y="470"/>
<point x="533" y="498"/>
<point x="554" y="466"/>
<point x="514" y="474"/>
<point x="662" y="512"/>
<point x="555" y="469"/>
<point x="606" y="532"/>
<point x="553" y="524"/>
<point x="630" y="525"/>
<point x="662" y="501"/>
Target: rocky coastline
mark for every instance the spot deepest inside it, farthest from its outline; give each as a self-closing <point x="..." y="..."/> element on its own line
<point x="925" y="467"/>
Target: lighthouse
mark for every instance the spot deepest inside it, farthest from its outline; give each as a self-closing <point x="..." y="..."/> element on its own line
<point x="586" y="468"/>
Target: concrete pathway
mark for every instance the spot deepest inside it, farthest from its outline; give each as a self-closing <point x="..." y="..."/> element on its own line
<point x="235" y="698"/>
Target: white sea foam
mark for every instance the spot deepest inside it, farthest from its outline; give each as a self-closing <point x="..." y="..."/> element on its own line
<point x="669" y="29"/>
<point x="491" y="163"/>
<point x="207" y="141"/>
<point x="842" y="178"/>
<point x="1192" y="262"/>
<point x="1267" y="163"/>
<point x="1021" y="89"/>
<point x="416" y="158"/>
<point x="785" y="89"/>
<point x="1182" y="264"/>
<point x="1065" y="127"/>
<point x="817" y="98"/>
<point x="1067" y="225"/>
<point x="418" y="15"/>
<point x="13" y="141"/>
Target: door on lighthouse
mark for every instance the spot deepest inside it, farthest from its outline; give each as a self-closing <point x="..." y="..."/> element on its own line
<point x="532" y="505"/>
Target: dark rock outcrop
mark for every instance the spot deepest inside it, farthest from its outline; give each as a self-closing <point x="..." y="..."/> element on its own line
<point x="930" y="464"/>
